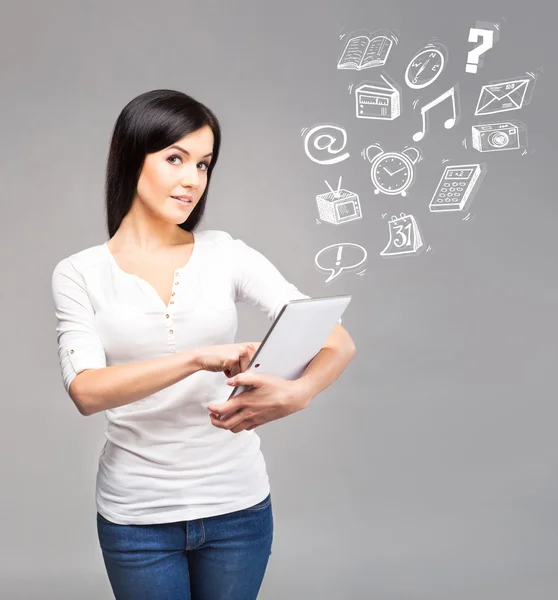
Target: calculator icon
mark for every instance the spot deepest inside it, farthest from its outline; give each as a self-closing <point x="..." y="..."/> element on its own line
<point x="454" y="188"/>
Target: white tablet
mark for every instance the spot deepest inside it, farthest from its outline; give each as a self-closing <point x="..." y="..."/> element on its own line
<point x="295" y="337"/>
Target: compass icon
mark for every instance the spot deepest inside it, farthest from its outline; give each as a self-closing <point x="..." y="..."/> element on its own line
<point x="425" y="68"/>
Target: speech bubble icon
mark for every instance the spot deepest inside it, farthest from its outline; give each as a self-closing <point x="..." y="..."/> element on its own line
<point x="339" y="257"/>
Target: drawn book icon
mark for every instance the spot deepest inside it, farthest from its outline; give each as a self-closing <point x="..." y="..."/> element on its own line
<point x="404" y="236"/>
<point x="361" y="52"/>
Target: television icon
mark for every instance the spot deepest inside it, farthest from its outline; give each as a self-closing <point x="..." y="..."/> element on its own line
<point x="338" y="206"/>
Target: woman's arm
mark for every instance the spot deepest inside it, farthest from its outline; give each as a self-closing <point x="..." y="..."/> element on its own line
<point x="95" y="390"/>
<point x="259" y="283"/>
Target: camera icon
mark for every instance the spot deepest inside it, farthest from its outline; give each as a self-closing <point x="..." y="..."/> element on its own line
<point x="492" y="137"/>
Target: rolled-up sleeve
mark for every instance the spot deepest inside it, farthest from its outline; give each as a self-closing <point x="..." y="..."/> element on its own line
<point x="79" y="346"/>
<point x="259" y="283"/>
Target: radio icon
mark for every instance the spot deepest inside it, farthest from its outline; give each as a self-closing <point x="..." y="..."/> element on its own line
<point x="378" y="101"/>
<point x="492" y="137"/>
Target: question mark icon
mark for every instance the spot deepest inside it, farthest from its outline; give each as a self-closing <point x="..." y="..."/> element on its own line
<point x="474" y="55"/>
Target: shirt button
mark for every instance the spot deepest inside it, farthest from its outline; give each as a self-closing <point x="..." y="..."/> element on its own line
<point x="173" y="293"/>
<point x="171" y="331"/>
<point x="177" y="273"/>
<point x="176" y="282"/>
<point x="72" y="351"/>
<point x="172" y="301"/>
<point x="167" y="316"/>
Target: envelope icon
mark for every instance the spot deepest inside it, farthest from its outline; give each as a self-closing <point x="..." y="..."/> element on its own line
<point x="501" y="97"/>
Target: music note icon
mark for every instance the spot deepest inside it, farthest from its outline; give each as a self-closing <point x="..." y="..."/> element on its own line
<point x="449" y="123"/>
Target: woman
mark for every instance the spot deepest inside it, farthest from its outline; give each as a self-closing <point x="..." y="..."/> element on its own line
<point x="183" y="498"/>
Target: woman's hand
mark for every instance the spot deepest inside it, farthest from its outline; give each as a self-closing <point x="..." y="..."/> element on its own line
<point x="229" y="358"/>
<point x="270" y="398"/>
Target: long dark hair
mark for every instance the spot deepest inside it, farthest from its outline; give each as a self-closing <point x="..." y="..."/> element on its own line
<point x="148" y="123"/>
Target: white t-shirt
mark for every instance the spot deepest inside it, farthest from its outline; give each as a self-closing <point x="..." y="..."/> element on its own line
<point x="163" y="460"/>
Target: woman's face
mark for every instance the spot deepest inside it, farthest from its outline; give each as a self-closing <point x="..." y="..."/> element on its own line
<point x="179" y="170"/>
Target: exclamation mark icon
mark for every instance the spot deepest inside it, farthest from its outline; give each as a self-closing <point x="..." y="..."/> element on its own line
<point x="339" y="250"/>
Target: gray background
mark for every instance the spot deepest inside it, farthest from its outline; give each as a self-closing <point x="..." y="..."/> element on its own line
<point x="428" y="470"/>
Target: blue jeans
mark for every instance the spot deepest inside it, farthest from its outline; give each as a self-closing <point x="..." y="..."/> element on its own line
<point x="215" y="558"/>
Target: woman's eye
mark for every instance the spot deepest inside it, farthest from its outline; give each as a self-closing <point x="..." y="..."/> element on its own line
<point x="205" y="164"/>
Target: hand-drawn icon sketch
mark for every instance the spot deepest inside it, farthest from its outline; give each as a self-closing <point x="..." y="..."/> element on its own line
<point x="455" y="187"/>
<point x="425" y="67"/>
<point x="340" y="257"/>
<point x="392" y="172"/>
<point x="449" y="123"/>
<point x="323" y="144"/>
<point x="492" y="137"/>
<point x="474" y="56"/>
<point x="361" y="52"/>
<point x="378" y="101"/>
<point x="338" y="206"/>
<point x="501" y="97"/>
<point x="404" y="236"/>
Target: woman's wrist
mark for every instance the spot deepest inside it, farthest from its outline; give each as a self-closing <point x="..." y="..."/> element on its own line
<point x="301" y="393"/>
<point x="192" y="360"/>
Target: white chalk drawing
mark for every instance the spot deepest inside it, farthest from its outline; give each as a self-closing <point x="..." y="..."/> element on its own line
<point x="474" y="56"/>
<point x="340" y="257"/>
<point x="425" y="67"/>
<point x="455" y="187"/>
<point x="338" y="206"/>
<point x="496" y="137"/>
<point x="501" y="97"/>
<point x="323" y="140"/>
<point x="361" y="52"/>
<point x="392" y="172"/>
<point x="404" y="236"/>
<point x="449" y="123"/>
<point x="378" y="101"/>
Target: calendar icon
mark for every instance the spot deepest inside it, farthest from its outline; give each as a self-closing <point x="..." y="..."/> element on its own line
<point x="455" y="188"/>
<point x="404" y="236"/>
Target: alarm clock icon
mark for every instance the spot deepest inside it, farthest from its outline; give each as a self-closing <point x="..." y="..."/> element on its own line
<point x="392" y="173"/>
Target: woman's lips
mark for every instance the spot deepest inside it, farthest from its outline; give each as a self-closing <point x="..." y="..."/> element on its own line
<point x="182" y="202"/>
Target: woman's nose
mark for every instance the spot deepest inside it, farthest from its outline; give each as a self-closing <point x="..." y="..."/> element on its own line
<point x="191" y="178"/>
